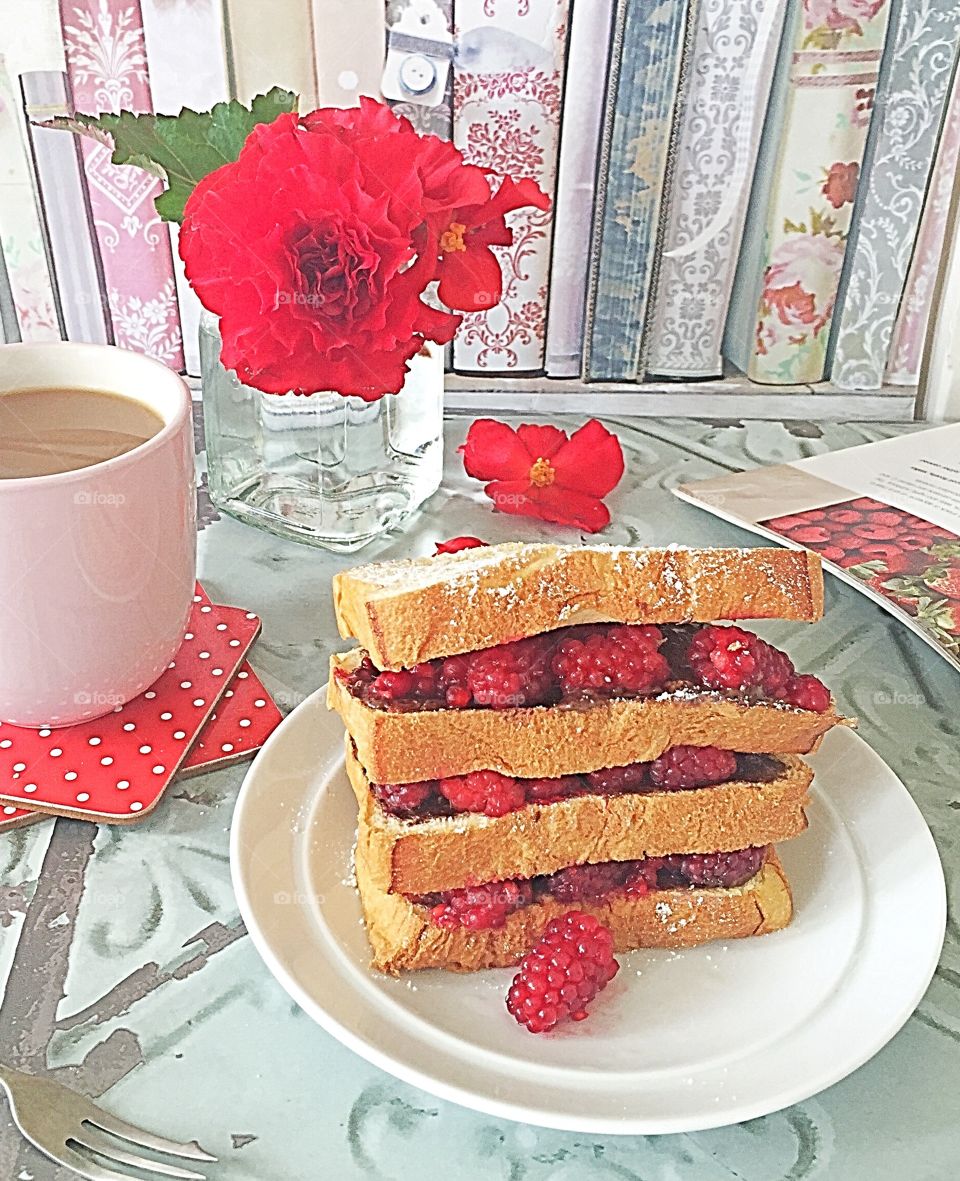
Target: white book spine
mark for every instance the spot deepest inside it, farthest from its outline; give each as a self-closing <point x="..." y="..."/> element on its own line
<point x="587" y="63"/>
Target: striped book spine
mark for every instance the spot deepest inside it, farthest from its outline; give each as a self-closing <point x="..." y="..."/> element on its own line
<point x="508" y="82"/>
<point x="107" y="68"/>
<point x="728" y="86"/>
<point x="651" y="39"/>
<point x="803" y="198"/>
<point x="187" y="66"/>
<point x="67" y="217"/>
<point x="591" y="27"/>
<point x="270" y="45"/>
<point x="21" y="236"/>
<point x="912" y="93"/>
<point x="913" y="317"/>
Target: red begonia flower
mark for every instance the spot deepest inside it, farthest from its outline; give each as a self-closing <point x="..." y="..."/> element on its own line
<point x="470" y="276"/>
<point x="456" y="544"/>
<point x="537" y="471"/>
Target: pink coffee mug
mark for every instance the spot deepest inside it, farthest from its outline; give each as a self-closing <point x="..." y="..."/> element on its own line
<point x="97" y="566"/>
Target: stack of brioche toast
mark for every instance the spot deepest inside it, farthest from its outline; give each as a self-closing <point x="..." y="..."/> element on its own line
<point x="536" y="728"/>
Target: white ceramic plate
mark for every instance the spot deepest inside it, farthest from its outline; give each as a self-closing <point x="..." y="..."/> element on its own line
<point x="680" y="1040"/>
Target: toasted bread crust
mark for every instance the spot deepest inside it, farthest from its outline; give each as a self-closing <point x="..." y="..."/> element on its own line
<point x="561" y="740"/>
<point x="403" y="939"/>
<point x="449" y="852"/>
<point x="416" y="609"/>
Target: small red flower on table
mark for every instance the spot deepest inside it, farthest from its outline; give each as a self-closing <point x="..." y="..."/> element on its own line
<point x="538" y="471"/>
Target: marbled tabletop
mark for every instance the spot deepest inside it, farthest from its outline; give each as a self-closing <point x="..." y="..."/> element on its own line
<point x="129" y="976"/>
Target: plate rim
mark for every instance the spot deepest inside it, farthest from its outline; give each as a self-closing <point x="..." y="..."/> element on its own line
<point x="368" y="1049"/>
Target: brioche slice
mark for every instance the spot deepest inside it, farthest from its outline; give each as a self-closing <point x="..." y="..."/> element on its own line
<point x="553" y="740"/>
<point x="403" y="938"/>
<point x="445" y="853"/>
<point x="415" y="609"/>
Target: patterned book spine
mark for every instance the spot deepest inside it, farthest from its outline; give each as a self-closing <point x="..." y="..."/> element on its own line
<point x="21" y="236"/>
<point x="428" y="120"/>
<point x="67" y="218"/>
<point x="590" y="32"/>
<point x="107" y="67"/>
<point x="185" y="57"/>
<point x="727" y="91"/>
<point x="915" y="83"/>
<point x="650" y="41"/>
<point x="910" y="330"/>
<point x="508" y="79"/>
<point x="818" y="150"/>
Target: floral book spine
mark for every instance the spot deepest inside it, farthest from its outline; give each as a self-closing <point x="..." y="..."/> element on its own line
<point x="651" y="40"/>
<point x="806" y="185"/>
<point x="591" y="27"/>
<point x="21" y="235"/>
<point x="65" y="211"/>
<point x="913" y="318"/>
<point x="729" y="79"/>
<point x="508" y="81"/>
<point x="187" y="69"/>
<point x="915" y="84"/>
<point x="107" y="70"/>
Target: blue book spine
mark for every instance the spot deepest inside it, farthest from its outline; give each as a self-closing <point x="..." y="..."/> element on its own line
<point x="651" y="38"/>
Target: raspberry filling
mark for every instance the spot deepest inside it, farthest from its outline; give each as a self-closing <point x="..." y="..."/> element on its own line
<point x="484" y="907"/>
<point x="594" y="662"/>
<point x="492" y="794"/>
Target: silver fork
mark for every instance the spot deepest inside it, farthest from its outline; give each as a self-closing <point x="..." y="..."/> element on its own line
<point x="58" y="1121"/>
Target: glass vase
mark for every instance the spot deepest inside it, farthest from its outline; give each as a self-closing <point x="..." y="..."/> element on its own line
<point x="324" y="469"/>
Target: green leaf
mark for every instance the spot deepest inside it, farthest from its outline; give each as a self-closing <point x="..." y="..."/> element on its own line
<point x="180" y="149"/>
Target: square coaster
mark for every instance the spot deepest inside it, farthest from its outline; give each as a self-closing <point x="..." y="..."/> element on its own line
<point x="245" y="718"/>
<point x="115" y="769"/>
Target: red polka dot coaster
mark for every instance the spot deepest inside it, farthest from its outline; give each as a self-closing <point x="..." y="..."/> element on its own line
<point x="245" y="718"/>
<point x="116" y="768"/>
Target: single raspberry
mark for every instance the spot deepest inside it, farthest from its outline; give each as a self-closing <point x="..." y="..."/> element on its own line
<point x="811" y="535"/>
<point x="711" y="870"/>
<point x="548" y="791"/>
<point x="480" y="908"/>
<point x="579" y="882"/>
<point x="562" y="974"/>
<point x="692" y="766"/>
<point x="392" y="686"/>
<point x="511" y="674"/>
<point x="732" y="658"/>
<point x="452" y="681"/>
<point x="785" y="524"/>
<point x="617" y="660"/>
<point x="846" y="516"/>
<point x="404" y="799"/>
<point x="488" y="792"/>
<point x="616" y="781"/>
<point x="807" y="692"/>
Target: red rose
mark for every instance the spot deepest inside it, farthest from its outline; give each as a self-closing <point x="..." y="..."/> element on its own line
<point x="315" y="246"/>
<point x="840" y="187"/>
<point x="537" y="471"/>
